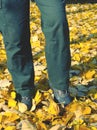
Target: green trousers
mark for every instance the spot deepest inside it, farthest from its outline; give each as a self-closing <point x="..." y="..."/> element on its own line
<point x="14" y="26"/>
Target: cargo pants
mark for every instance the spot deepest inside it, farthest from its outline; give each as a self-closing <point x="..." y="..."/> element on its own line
<point x="14" y="26"/>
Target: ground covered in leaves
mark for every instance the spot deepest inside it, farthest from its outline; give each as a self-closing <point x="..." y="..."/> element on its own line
<point x="45" y="114"/>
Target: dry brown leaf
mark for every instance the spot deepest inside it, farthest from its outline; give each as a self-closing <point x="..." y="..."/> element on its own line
<point x="67" y="118"/>
<point x="4" y="84"/>
<point x="93" y="118"/>
<point x="58" y="127"/>
<point x="27" y="125"/>
<point x="22" y="107"/>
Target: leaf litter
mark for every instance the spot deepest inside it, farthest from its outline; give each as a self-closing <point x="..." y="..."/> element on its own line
<point x="45" y="114"/>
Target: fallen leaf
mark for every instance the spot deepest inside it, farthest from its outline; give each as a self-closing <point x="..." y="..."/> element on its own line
<point x="22" y="107"/>
<point x="58" y="127"/>
<point x="10" y="128"/>
<point x="4" y="84"/>
<point x="12" y="103"/>
<point x="53" y="107"/>
<point x="27" y="125"/>
<point x="38" y="97"/>
<point x="87" y="110"/>
<point x="89" y="74"/>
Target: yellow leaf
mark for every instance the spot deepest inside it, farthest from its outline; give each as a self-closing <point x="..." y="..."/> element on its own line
<point x="12" y="103"/>
<point x="67" y="118"/>
<point x="87" y="110"/>
<point x="9" y="117"/>
<point x="76" y="57"/>
<point x="76" y="127"/>
<point x="10" y="128"/>
<point x="93" y="128"/>
<point x="0" y="118"/>
<point x="53" y="107"/>
<point x="83" y="127"/>
<point x="13" y="94"/>
<point x="35" y="39"/>
<point x="73" y="107"/>
<point x="36" y="43"/>
<point x="90" y="74"/>
<point x="0" y="127"/>
<point x="33" y="106"/>
<point x="42" y="126"/>
<point x="38" y="97"/>
<point x="37" y="78"/>
<point x="47" y="94"/>
<point x="95" y="96"/>
<point x="58" y="121"/>
<point x="33" y="25"/>
<point x="43" y="115"/>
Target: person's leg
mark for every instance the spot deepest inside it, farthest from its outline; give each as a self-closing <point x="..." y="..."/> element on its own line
<point x="16" y="33"/>
<point x="55" y="28"/>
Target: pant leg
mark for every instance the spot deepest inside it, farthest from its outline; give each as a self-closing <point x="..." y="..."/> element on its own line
<point x="16" y="33"/>
<point x="57" y="50"/>
<point x="0" y="3"/>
